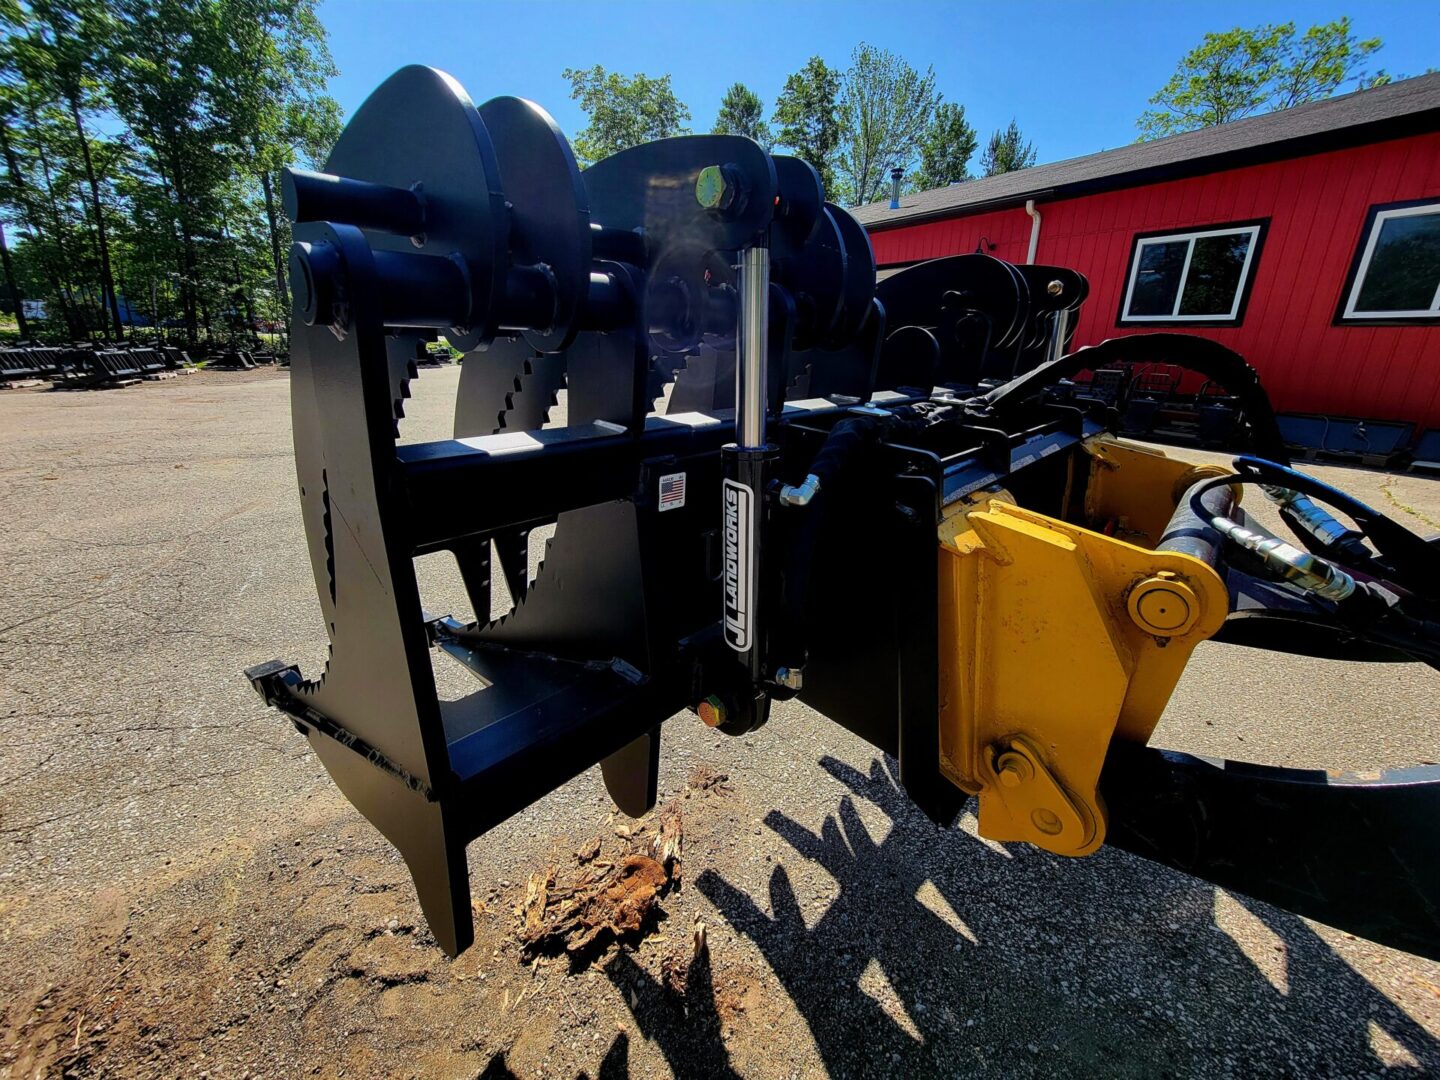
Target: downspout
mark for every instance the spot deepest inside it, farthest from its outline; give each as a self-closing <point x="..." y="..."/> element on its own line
<point x="1034" y="229"/>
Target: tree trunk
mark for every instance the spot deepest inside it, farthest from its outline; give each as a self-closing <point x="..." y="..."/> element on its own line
<point x="32" y="220"/>
<point x="107" y="280"/>
<point x="121" y="279"/>
<point x="243" y="295"/>
<point x="179" y="235"/>
<point x="189" y="278"/>
<point x="76" y="325"/>
<point x="14" y="289"/>
<point x="190" y="293"/>
<point x="282" y="293"/>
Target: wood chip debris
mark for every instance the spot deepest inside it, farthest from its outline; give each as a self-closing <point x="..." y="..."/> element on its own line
<point x="588" y="850"/>
<point x="675" y="967"/>
<point x="606" y="895"/>
<point x="707" y="781"/>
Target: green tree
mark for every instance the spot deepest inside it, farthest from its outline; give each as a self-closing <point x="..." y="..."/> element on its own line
<point x="1318" y="64"/>
<point x="885" y="107"/>
<point x="946" y="148"/>
<point x="743" y="113"/>
<point x="272" y="99"/>
<point x="623" y="112"/>
<point x="1006" y="152"/>
<point x="212" y="98"/>
<point x="56" y="182"/>
<point x="12" y="285"/>
<point x="60" y="48"/>
<point x="1241" y="72"/>
<point x="215" y="95"/>
<point x="38" y="189"/>
<point x="17" y="196"/>
<point x="164" y="85"/>
<point x="807" y="117"/>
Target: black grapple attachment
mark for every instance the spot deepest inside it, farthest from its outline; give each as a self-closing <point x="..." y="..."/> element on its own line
<point x="770" y="480"/>
<point x="618" y="285"/>
<point x="972" y="320"/>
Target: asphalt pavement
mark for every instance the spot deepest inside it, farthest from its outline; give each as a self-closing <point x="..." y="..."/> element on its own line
<point x="151" y="548"/>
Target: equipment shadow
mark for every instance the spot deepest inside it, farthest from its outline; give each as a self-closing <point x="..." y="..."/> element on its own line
<point x="946" y="954"/>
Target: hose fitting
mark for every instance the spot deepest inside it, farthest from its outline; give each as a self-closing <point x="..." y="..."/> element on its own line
<point x="1310" y="516"/>
<point x="1300" y="568"/>
<point x="800" y="495"/>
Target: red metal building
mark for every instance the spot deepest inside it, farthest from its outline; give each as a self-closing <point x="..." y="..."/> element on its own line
<point x="1306" y="240"/>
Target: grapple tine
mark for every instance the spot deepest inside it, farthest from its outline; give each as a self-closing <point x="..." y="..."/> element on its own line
<point x="1360" y="854"/>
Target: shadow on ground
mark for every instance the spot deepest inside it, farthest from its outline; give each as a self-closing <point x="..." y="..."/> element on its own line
<point x="943" y="954"/>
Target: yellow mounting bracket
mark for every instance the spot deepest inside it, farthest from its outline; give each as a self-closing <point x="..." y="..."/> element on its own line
<point x="1054" y="639"/>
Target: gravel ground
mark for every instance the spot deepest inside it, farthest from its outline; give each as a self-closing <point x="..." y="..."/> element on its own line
<point x="182" y="891"/>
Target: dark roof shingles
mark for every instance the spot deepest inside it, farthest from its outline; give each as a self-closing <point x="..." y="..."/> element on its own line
<point x="1396" y="100"/>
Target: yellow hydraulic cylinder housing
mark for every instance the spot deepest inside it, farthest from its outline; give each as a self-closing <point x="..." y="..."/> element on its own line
<point x="1056" y="638"/>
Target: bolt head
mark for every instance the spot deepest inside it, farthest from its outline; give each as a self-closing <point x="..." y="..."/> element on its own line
<point x="1012" y="770"/>
<point x="1046" y="820"/>
<point x="790" y="678"/>
<point x="1055" y="288"/>
<point x="713" y="190"/>
<point x="712" y="711"/>
<point x="1164" y="606"/>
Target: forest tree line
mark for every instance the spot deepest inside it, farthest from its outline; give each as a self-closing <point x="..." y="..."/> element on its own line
<point x="141" y="142"/>
<point x="858" y="123"/>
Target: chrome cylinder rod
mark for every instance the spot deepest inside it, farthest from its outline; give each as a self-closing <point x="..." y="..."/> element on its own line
<point x="1059" y="327"/>
<point x="752" y="340"/>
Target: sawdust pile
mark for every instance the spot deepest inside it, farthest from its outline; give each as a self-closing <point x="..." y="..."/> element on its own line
<point x="677" y="965"/>
<point x="706" y="781"/>
<point x="605" y="895"/>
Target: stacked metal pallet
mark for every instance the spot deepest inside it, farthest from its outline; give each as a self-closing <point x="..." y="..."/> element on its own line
<point x="100" y="369"/>
<point x="234" y="360"/>
<point x="93" y="369"/>
<point x="85" y="366"/>
<point x="24" y="364"/>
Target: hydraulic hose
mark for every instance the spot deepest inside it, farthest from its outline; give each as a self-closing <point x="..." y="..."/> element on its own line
<point x="1306" y="571"/>
<point x="1191" y="530"/>
<point x="802" y="516"/>
<point x="1201" y="355"/>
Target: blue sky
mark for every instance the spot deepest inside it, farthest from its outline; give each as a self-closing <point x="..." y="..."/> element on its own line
<point x="1075" y="75"/>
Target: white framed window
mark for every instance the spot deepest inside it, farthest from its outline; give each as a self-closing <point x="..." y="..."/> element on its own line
<point x="1188" y="277"/>
<point x="1396" y="276"/>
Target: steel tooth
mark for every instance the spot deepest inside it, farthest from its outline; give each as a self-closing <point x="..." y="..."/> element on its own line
<point x="536" y="392"/>
<point x="518" y="602"/>
<point x="660" y="376"/>
<point x="799" y="387"/>
<point x="411" y="373"/>
<point x="705" y="384"/>
<point x="400" y="354"/>
<point x="328" y="523"/>
<point x="492" y="391"/>
<point x="311" y="687"/>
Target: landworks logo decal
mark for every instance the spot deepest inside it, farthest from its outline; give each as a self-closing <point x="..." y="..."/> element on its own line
<point x="739" y="564"/>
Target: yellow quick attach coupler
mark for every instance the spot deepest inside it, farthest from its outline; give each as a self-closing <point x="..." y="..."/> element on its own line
<point x="1054" y="639"/>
